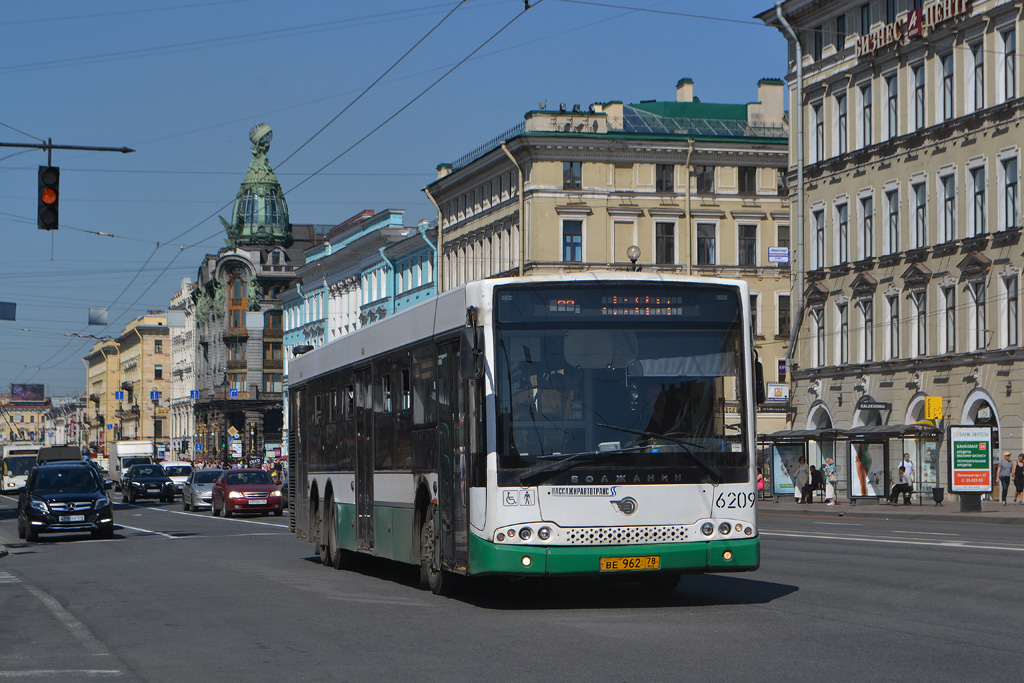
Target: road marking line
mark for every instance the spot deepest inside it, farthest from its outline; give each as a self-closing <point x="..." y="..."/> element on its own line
<point x="77" y="628"/>
<point x="925" y="533"/>
<point x="48" y="673"/>
<point x="147" y="531"/>
<point x="6" y="577"/>
<point x="278" y="525"/>
<point x="837" y="524"/>
<point x="897" y="541"/>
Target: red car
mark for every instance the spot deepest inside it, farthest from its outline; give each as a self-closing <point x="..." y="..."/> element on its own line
<point x="247" y="490"/>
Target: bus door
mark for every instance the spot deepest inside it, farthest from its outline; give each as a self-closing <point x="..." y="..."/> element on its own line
<point x="452" y="459"/>
<point x="364" y="459"/>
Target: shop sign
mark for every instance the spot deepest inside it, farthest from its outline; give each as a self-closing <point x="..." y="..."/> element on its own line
<point x="874" y="405"/>
<point x="913" y="25"/>
<point x="933" y="408"/>
<point x="970" y="454"/>
<point x="777" y="391"/>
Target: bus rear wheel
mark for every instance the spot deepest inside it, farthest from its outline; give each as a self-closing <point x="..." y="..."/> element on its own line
<point x="317" y="531"/>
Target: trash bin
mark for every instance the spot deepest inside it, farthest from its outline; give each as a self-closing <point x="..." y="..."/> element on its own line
<point x="938" y="493"/>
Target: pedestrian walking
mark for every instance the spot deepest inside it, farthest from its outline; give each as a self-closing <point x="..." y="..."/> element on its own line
<point x="830" y="481"/>
<point x="1018" y="479"/>
<point x="1005" y="472"/>
<point x="800" y="480"/>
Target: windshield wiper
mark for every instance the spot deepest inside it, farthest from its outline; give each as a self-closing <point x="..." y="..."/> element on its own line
<point x="538" y="474"/>
<point x="712" y="471"/>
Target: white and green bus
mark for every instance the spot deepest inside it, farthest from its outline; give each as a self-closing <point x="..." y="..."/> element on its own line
<point x="16" y="459"/>
<point x="572" y="424"/>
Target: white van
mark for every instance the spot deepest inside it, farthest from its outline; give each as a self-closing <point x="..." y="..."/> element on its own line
<point x="178" y="472"/>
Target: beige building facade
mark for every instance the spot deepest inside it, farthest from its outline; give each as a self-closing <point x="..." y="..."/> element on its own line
<point x="697" y="187"/>
<point x="910" y="249"/>
<point x="103" y="372"/>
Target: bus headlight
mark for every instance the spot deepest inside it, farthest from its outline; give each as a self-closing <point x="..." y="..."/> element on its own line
<point x="525" y="533"/>
<point x="707" y="528"/>
<point x="724" y="528"/>
<point x="544" y="533"/>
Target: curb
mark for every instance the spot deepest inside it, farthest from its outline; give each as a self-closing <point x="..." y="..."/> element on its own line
<point x="889" y="513"/>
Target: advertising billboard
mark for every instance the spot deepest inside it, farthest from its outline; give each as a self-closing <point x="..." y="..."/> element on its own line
<point x="970" y="459"/>
<point x="28" y="392"/>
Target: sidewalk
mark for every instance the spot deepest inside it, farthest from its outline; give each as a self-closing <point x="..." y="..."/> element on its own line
<point x="992" y="512"/>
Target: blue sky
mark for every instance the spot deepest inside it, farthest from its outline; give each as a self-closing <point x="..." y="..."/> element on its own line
<point x="182" y="81"/>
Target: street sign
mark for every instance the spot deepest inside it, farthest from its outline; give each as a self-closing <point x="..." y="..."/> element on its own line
<point x="118" y="395"/>
<point x="154" y="396"/>
<point x="199" y="447"/>
<point x="777" y="391"/>
<point x="233" y="432"/>
<point x="778" y="255"/>
<point x="233" y="393"/>
<point x="194" y="394"/>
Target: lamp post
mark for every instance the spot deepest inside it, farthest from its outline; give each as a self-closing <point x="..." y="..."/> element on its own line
<point x="223" y="386"/>
<point x="154" y="396"/>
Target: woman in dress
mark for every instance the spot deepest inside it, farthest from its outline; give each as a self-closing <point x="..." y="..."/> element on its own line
<point x="1018" y="479"/>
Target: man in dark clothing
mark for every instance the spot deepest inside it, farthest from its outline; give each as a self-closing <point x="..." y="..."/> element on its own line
<point x="815" y="482"/>
<point x="903" y="487"/>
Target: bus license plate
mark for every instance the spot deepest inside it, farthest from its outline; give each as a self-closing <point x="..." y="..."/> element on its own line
<point x="72" y="518"/>
<point x="620" y="564"/>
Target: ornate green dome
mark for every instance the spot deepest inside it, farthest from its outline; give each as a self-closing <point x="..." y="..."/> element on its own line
<point x="261" y="213"/>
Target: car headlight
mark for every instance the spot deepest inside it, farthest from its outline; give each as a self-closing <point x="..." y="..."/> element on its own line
<point x="275" y="494"/>
<point x="39" y="505"/>
<point x="236" y="494"/>
<point x="103" y="502"/>
<point x="138" y="484"/>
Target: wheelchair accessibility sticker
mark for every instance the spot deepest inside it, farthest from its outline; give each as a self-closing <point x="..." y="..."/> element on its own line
<point x="516" y="498"/>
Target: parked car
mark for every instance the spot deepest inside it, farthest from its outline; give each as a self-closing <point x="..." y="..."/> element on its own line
<point x="178" y="472"/>
<point x="198" y="489"/>
<point x="147" y="481"/>
<point x="246" y="490"/>
<point x="64" y="497"/>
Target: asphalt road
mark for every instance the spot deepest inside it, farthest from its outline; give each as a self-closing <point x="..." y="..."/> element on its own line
<point x="188" y="597"/>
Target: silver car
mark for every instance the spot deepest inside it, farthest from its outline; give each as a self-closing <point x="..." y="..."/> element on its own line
<point x="198" y="488"/>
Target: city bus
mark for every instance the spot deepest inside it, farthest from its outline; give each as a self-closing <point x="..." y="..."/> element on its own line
<point x="16" y="459"/>
<point x="591" y="423"/>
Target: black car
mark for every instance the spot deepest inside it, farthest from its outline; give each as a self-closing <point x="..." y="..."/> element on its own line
<point x="147" y="481"/>
<point x="63" y="497"/>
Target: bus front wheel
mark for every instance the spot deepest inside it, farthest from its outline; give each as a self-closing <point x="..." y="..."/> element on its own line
<point x="439" y="581"/>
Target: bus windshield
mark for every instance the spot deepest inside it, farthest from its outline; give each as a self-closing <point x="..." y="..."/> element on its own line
<point x="18" y="465"/>
<point x="644" y="378"/>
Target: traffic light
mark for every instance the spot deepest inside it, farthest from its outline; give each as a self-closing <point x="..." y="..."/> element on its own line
<point x="49" y="196"/>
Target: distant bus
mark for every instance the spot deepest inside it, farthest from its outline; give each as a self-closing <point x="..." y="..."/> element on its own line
<point x="590" y="423"/>
<point x="16" y="459"/>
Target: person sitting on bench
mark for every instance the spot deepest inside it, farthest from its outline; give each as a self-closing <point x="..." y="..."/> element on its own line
<point x="903" y="487"/>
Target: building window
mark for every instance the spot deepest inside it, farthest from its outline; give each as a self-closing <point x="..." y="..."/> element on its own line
<point x="890" y="11"/>
<point x="844" y="333"/>
<point x="946" y="66"/>
<point x="892" y="106"/>
<point x="747" y="179"/>
<point x="892" y="199"/>
<point x="817" y="42"/>
<point x="782" y="236"/>
<point x="920" y="323"/>
<point x="572" y="175"/>
<point x="158" y="346"/>
<point x="158" y="371"/>
<point x="894" y="326"/>
<point x="865" y="18"/>
<point x="1010" y="206"/>
<point x="1009" y="65"/>
<point x="865" y="115"/>
<point x="1012" y="311"/>
<point x="781" y="182"/>
<point x="819" y="132"/>
<point x="818" y="318"/>
<point x="843" y="233"/>
<point x="977" y="290"/>
<point x="755" y="319"/>
<point x="748" y="245"/>
<point x="948" y="208"/>
<point x="784" y="314"/>
<point x="840" y="38"/>
<point x="868" y="319"/>
<point x="978" y="203"/>
<point x="572" y="241"/>
<point x="867" y="227"/>
<point x="841" y="125"/>
<point x="978" y="76"/>
<point x="705" y="176"/>
<point x="664" y="178"/>
<point x="273" y="382"/>
<point x="918" y="75"/>
<point x="665" y="243"/>
<point x="949" y="300"/>
<point x="818" y="255"/>
<point x="705" y="244"/>
<point x="920" y="215"/>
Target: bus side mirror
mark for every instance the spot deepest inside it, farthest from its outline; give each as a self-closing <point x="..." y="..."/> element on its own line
<point x="472" y="352"/>
<point x="759" y="395"/>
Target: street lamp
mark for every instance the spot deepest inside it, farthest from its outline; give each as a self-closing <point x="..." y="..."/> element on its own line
<point x="154" y="396"/>
<point x="223" y="386"/>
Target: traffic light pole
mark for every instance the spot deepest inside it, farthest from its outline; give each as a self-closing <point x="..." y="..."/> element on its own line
<point x="49" y="147"/>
